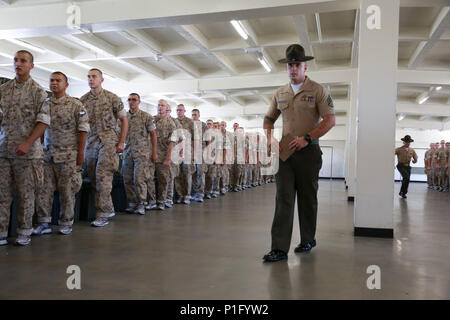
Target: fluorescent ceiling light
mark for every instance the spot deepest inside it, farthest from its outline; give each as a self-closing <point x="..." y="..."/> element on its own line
<point x="6" y="55"/>
<point x="239" y="28"/>
<point x="264" y="63"/>
<point x="27" y="45"/>
<point x="82" y="65"/>
<point x="438" y="88"/>
<point x="107" y="76"/>
<point x="423" y="99"/>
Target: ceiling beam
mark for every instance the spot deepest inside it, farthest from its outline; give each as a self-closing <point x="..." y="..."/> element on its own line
<point x="235" y="99"/>
<point x="143" y="67"/>
<point x="355" y="43"/>
<point x="200" y="98"/>
<point x="102" y="47"/>
<point x="144" y="14"/>
<point x="217" y="46"/>
<point x="52" y="46"/>
<point x="194" y="36"/>
<point x="433" y="110"/>
<point x="319" y="29"/>
<point x="252" y="39"/>
<point x="184" y="66"/>
<point x="424" y="125"/>
<point x="254" y="42"/>
<point x="440" y="25"/>
<point x="143" y="39"/>
<point x="262" y="97"/>
<point x="147" y="42"/>
<point x="93" y="43"/>
<point x="422" y="118"/>
<point x="302" y="31"/>
<point x="67" y="69"/>
<point x="423" y="77"/>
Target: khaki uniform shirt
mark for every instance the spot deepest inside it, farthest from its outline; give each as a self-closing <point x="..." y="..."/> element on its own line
<point x="138" y="142"/>
<point x="68" y="118"/>
<point x="228" y="138"/>
<point x="301" y="111"/>
<point x="103" y="110"/>
<point x="188" y="124"/>
<point x="21" y="108"/>
<point x="165" y="133"/>
<point x="404" y="155"/>
<point x="201" y="136"/>
<point x="215" y="136"/>
<point x="433" y="155"/>
<point x="447" y="150"/>
<point x="427" y="157"/>
<point x="442" y="157"/>
<point x="200" y="133"/>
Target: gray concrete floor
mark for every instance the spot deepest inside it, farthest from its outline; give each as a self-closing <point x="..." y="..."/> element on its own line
<point x="213" y="251"/>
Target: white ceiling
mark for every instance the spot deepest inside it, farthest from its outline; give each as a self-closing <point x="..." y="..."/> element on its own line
<point x="190" y="53"/>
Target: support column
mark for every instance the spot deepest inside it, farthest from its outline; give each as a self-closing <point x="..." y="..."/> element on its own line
<point x="377" y="93"/>
<point x="351" y="141"/>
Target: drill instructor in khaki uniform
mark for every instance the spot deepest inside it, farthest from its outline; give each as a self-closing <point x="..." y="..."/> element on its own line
<point x="404" y="155"/>
<point x="302" y="102"/>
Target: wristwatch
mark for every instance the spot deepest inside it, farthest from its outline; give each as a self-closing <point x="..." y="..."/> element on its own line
<point x="308" y="138"/>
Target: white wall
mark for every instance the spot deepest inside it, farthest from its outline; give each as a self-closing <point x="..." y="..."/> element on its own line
<point x="338" y="162"/>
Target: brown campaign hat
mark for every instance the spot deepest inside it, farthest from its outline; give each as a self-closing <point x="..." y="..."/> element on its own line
<point x="295" y="53"/>
<point x="407" y="138"/>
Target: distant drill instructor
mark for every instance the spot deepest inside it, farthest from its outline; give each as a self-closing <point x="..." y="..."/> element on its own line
<point x="404" y="155"/>
<point x="105" y="141"/>
<point x="302" y="103"/>
<point x="65" y="142"/>
<point x="23" y="119"/>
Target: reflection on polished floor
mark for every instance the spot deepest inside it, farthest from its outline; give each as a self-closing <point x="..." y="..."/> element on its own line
<point x="213" y="251"/>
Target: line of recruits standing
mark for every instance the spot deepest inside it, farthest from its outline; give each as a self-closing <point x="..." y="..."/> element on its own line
<point x="437" y="166"/>
<point x="95" y="129"/>
<point x="436" y="161"/>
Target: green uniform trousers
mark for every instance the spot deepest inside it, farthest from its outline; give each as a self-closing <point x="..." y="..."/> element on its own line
<point x="297" y="176"/>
